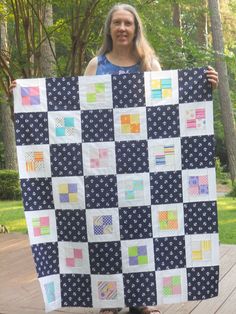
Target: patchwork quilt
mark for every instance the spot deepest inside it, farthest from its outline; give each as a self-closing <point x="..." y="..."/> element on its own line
<point x="118" y="184"/>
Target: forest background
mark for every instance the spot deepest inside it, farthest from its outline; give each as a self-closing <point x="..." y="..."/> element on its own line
<point x="58" y="38"/>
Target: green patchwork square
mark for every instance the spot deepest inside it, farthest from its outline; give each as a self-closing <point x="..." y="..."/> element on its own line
<point x="129" y="195"/>
<point x="172" y="215"/>
<point x="163" y="225"/>
<point x="167" y="291"/>
<point x="100" y="88"/>
<point x="176" y="280"/>
<point x="45" y="230"/>
<point x="91" y="97"/>
<point x="133" y="251"/>
<point x="35" y="222"/>
<point x="69" y="122"/>
<point x="142" y="260"/>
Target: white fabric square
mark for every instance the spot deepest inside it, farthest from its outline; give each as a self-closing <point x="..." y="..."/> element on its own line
<point x="196" y="118"/>
<point x="172" y="286"/>
<point x="133" y="189"/>
<point x="161" y="88"/>
<point x="107" y="290"/>
<point x="34" y="161"/>
<point x="41" y="226"/>
<point x="51" y="289"/>
<point x="167" y="220"/>
<point x="30" y="95"/>
<point x="95" y="92"/>
<point x="64" y="127"/>
<point x="137" y="255"/>
<point x="73" y="258"/>
<point x="68" y="192"/>
<point x="202" y="250"/>
<point x="103" y="225"/>
<point x="164" y="154"/>
<point x="130" y="124"/>
<point x="199" y="185"/>
<point x="99" y="158"/>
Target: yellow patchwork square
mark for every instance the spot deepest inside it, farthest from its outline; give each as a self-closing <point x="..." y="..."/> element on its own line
<point x="156" y="84"/>
<point x="206" y="245"/>
<point x="63" y="188"/>
<point x="125" y="128"/>
<point x="166" y="93"/>
<point x="197" y="255"/>
<point x="73" y="198"/>
<point x="134" y="118"/>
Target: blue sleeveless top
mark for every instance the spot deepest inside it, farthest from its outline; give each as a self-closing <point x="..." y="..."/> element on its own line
<point x="106" y="67"/>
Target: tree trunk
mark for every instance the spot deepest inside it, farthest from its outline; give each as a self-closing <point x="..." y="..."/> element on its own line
<point x="202" y="29"/>
<point x="47" y="49"/>
<point x="225" y="101"/>
<point x="8" y="132"/>
<point x="177" y="22"/>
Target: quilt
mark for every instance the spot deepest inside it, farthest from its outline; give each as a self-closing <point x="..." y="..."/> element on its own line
<point x="118" y="184"/>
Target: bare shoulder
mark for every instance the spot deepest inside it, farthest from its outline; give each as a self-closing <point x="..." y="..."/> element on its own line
<point x="156" y="65"/>
<point x="91" y="67"/>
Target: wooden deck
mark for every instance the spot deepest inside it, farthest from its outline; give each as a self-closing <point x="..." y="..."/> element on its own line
<point x="20" y="291"/>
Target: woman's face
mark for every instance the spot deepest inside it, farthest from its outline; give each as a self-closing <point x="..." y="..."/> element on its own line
<point x="122" y="28"/>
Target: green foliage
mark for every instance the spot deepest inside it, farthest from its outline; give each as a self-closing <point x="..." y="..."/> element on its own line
<point x="227" y="220"/>
<point x="12" y="216"/>
<point x="232" y="193"/>
<point x="9" y="185"/>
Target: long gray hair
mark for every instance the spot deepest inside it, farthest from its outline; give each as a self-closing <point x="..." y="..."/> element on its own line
<point x="142" y="48"/>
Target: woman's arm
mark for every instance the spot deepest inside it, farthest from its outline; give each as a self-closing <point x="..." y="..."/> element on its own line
<point x="91" y="67"/>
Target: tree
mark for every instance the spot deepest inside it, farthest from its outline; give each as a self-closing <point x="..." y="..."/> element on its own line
<point x="225" y="101"/>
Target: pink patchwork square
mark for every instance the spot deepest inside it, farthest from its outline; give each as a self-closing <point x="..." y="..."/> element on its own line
<point x="203" y="180"/>
<point x="94" y="163"/>
<point x="167" y="281"/>
<point x="103" y="153"/>
<point x="200" y="113"/>
<point x="70" y="262"/>
<point x="34" y="91"/>
<point x="26" y="100"/>
<point x="44" y="221"/>
<point x="37" y="231"/>
<point x="194" y="190"/>
<point x="176" y="289"/>
<point x="78" y="253"/>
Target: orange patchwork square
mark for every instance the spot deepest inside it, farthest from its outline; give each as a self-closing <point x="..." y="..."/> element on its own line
<point x="130" y="123"/>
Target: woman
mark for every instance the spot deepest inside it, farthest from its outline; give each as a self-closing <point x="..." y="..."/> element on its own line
<point x="126" y="50"/>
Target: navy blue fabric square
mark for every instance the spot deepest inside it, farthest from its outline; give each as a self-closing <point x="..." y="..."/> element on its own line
<point x="46" y="258"/>
<point x="97" y="125"/>
<point x="76" y="290"/>
<point x="135" y="222"/>
<point x="202" y="282"/>
<point x="66" y="160"/>
<point x="71" y="225"/>
<point x="31" y="128"/>
<point x="62" y="93"/>
<point x="37" y="193"/>
<point x="194" y="86"/>
<point x="128" y="90"/>
<point x="198" y="152"/>
<point x="166" y="187"/>
<point x="101" y="191"/>
<point x="105" y="258"/>
<point x="163" y="122"/>
<point x="140" y="289"/>
<point x="200" y="217"/>
<point x="132" y="157"/>
<point x="169" y="252"/>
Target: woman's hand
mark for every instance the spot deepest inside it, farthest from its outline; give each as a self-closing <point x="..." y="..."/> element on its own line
<point x="12" y="86"/>
<point x="212" y="76"/>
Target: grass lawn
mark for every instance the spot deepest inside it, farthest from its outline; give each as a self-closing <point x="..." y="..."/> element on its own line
<point x="12" y="215"/>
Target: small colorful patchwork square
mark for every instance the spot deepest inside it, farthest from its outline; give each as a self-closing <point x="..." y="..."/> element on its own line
<point x="161" y="89"/>
<point x="130" y="123"/>
<point x="30" y="96"/>
<point x="34" y="161"/>
<point x="171" y="286"/>
<point x="201" y="250"/>
<point x="76" y="259"/>
<point x="65" y="126"/>
<point x="102" y="224"/>
<point x="196" y="118"/>
<point x="41" y="226"/>
<point x="96" y="92"/>
<point x="107" y="290"/>
<point x="198" y="185"/>
<point x="68" y="193"/>
<point x="165" y="155"/>
<point x="138" y="255"/>
<point x="99" y="158"/>
<point x="50" y="292"/>
<point x="134" y="189"/>
<point x="168" y="220"/>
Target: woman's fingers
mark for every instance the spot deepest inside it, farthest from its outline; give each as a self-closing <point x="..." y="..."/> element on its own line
<point x="12" y="86"/>
<point x="212" y="76"/>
